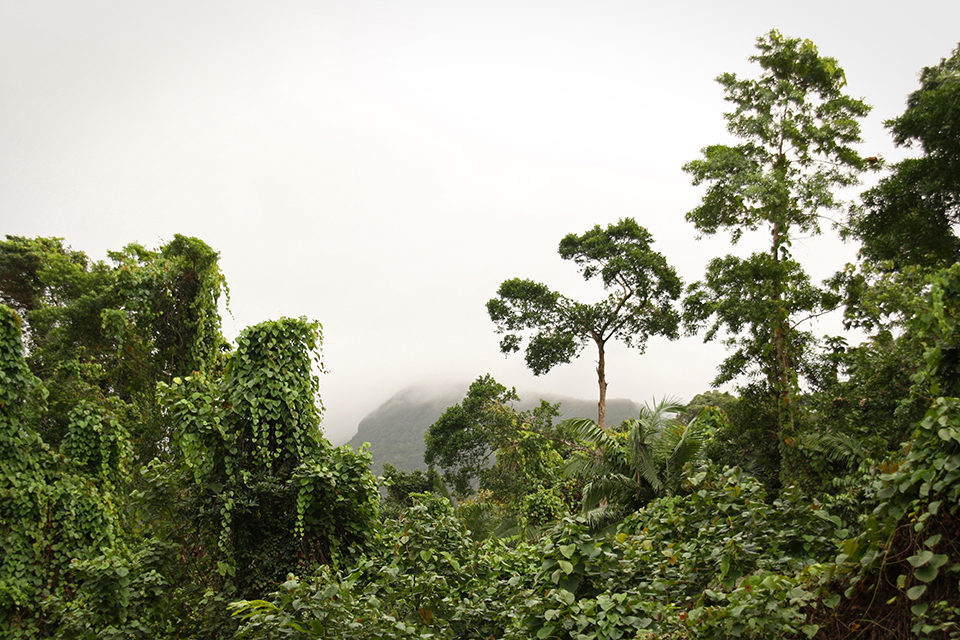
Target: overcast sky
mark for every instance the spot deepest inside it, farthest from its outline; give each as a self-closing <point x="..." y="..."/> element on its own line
<point x="383" y="166"/>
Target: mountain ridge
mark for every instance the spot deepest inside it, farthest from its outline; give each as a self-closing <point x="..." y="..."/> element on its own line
<point x="396" y="428"/>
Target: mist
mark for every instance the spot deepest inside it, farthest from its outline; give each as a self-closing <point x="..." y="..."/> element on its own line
<point x="383" y="166"/>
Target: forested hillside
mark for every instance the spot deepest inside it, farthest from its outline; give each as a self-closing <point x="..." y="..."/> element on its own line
<point x="157" y="481"/>
<point x="395" y="430"/>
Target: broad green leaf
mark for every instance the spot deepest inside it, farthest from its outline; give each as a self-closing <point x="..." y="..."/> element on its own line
<point x="922" y="558"/>
<point x="915" y="592"/>
<point x="926" y="573"/>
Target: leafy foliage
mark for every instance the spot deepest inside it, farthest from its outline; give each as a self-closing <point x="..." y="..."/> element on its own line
<point x="797" y="129"/>
<point x="910" y="217"/>
<point x="626" y="467"/>
<point x="642" y="289"/>
<point x="402" y="485"/>
<point x="406" y="590"/>
<point x="717" y="562"/>
<point x="485" y="428"/>
<point x="905" y="562"/>
<point x="52" y="515"/>
<point x="107" y="335"/>
<point x="276" y="492"/>
<point x="148" y="477"/>
<point x="463" y="438"/>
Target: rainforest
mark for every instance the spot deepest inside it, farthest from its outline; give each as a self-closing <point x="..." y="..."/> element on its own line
<point x="160" y="481"/>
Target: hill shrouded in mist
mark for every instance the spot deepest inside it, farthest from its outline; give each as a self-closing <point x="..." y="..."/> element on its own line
<point x="396" y="428"/>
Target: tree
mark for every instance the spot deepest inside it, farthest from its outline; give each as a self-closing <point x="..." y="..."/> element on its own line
<point x="712" y="399"/>
<point x="55" y="511"/>
<point x="642" y="285"/>
<point x="910" y="217"/>
<point x="797" y="128"/>
<point x="99" y="336"/>
<point x="401" y="487"/>
<point x="464" y="437"/>
<point x="484" y="439"/>
<point x="277" y="496"/>
<point x="109" y="333"/>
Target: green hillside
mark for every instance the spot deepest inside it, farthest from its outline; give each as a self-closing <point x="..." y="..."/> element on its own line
<point x="396" y="428"/>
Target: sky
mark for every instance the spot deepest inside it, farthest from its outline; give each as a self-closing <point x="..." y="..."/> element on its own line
<point x="382" y="166"/>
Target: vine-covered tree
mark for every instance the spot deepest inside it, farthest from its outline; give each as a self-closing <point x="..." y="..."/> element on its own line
<point x="108" y="333"/>
<point x="797" y="128"/>
<point x="147" y="474"/>
<point x="273" y="493"/>
<point x="56" y="512"/>
<point x="642" y="286"/>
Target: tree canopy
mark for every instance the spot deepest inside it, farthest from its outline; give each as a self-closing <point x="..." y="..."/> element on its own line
<point x="911" y="216"/>
<point x="642" y="287"/>
<point x="149" y="472"/>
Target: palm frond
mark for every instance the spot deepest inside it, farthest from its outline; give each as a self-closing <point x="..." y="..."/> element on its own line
<point x="585" y="465"/>
<point x="478" y="520"/>
<point x="509" y="528"/>
<point x="589" y="431"/>
<point x="687" y="442"/>
<point x="835" y="446"/>
<point x="612" y="487"/>
<point x="641" y="460"/>
<point x="656" y="416"/>
<point x="624" y="470"/>
<point x="603" y="516"/>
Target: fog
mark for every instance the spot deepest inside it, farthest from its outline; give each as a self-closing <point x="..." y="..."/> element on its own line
<point x="382" y="166"/>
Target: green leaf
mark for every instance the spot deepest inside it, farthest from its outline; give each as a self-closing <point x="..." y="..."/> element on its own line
<point x="725" y="564"/>
<point x="921" y="558"/>
<point x="926" y="574"/>
<point x="939" y="560"/>
<point x="915" y="592"/>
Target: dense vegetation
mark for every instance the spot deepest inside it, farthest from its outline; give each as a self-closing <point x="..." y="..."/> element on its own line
<point x="158" y="482"/>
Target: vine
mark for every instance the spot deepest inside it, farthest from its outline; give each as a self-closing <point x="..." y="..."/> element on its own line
<point x="906" y="562"/>
<point x="283" y="498"/>
<point x="50" y="516"/>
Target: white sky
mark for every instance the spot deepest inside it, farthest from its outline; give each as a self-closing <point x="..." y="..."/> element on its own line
<point x="383" y="166"/>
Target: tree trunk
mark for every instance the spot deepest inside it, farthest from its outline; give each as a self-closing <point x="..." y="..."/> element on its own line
<point x="784" y="374"/>
<point x="780" y="340"/>
<point x="602" y="380"/>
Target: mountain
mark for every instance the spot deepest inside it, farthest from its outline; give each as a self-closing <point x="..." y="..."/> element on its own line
<point x="396" y="428"/>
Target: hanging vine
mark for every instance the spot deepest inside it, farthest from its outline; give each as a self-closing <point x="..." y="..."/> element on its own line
<point x="284" y="498"/>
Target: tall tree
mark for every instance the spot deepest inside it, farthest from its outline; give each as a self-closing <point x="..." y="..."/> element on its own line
<point x="798" y="128"/>
<point x="280" y="495"/>
<point x="642" y="286"/>
<point x="910" y="217"/>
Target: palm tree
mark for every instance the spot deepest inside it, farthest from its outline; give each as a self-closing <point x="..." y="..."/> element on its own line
<point x="640" y="460"/>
